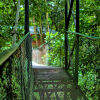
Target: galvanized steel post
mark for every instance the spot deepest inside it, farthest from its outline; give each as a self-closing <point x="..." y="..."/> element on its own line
<point x="77" y="43"/>
<point x="66" y="37"/>
<point x="26" y="16"/>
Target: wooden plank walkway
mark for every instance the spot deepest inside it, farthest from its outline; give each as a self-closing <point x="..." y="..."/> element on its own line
<point x="53" y="83"/>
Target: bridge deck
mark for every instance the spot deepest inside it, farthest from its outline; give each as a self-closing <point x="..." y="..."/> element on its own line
<point x="52" y="83"/>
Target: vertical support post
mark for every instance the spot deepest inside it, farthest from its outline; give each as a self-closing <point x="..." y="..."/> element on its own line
<point x="27" y="48"/>
<point x="77" y="43"/>
<point x="66" y="38"/>
<point x="9" y="82"/>
<point x="26" y="16"/>
<point x="60" y="57"/>
<point x="99" y="84"/>
<point x="28" y="54"/>
<point x="67" y="19"/>
<point x="27" y="30"/>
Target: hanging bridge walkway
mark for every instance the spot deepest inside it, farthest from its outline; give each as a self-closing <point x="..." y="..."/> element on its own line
<point x="53" y="83"/>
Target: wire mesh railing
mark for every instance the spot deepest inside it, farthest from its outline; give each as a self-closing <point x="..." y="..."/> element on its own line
<point x="88" y="68"/>
<point x="16" y="71"/>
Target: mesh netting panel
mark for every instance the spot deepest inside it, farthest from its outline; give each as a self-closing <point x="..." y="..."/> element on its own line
<point x="16" y="77"/>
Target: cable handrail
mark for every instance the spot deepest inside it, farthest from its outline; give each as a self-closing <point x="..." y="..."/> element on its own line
<point x="49" y="40"/>
<point x="7" y="53"/>
<point x="80" y="34"/>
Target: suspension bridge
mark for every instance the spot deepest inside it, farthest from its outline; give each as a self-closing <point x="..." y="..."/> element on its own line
<point x="42" y="82"/>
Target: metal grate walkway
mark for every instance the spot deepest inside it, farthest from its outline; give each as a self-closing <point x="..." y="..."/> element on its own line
<point x="52" y="83"/>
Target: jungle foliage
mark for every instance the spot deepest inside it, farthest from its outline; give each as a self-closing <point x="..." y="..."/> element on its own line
<point x="89" y="55"/>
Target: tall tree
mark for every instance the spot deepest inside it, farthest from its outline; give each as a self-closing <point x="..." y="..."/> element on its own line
<point x="16" y="23"/>
<point x="40" y="24"/>
<point x="34" y="24"/>
<point x="47" y="16"/>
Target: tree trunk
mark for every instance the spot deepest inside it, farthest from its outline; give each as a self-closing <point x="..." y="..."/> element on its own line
<point x="47" y="23"/>
<point x="16" y="23"/>
<point x="34" y="24"/>
<point x="41" y="35"/>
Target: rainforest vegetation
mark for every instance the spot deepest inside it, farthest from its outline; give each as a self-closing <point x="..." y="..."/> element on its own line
<point x="51" y="15"/>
